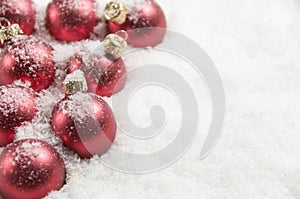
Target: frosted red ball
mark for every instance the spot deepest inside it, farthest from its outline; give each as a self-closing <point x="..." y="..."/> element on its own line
<point x="30" y="169"/>
<point x="71" y="20"/>
<point x="27" y="59"/>
<point x="17" y="105"/>
<point x="85" y="123"/>
<point x="21" y="12"/>
<point x="145" y="25"/>
<point x="105" y="75"/>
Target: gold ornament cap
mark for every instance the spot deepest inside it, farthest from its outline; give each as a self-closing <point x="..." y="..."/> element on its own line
<point x="116" y="12"/>
<point x="115" y="44"/>
<point x="75" y="82"/>
<point x="8" y="31"/>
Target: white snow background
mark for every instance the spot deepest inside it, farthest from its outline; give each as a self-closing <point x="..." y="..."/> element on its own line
<point x="255" y="45"/>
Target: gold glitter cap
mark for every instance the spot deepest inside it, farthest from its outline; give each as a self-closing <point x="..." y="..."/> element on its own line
<point x="75" y="82"/>
<point x="8" y="31"/>
<point x="116" y="12"/>
<point x="115" y="44"/>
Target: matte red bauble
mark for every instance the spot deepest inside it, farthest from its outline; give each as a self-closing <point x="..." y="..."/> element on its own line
<point x="145" y="23"/>
<point x="17" y="105"/>
<point x="20" y="12"/>
<point x="27" y="59"/>
<point x="105" y="76"/>
<point x="30" y="169"/>
<point x="85" y="123"/>
<point x="71" y="20"/>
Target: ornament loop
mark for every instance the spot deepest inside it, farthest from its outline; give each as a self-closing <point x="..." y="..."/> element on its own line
<point x="4" y="23"/>
<point x="123" y="34"/>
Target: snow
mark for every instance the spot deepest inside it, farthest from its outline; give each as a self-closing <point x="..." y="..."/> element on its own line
<point x="255" y="45"/>
<point x="78" y="106"/>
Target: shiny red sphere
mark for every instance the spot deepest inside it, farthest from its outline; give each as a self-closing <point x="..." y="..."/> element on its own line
<point x="30" y="169"/>
<point x="105" y="75"/>
<point x="145" y="27"/>
<point x="85" y="123"/>
<point x="20" y="12"/>
<point x="17" y="105"/>
<point x="27" y="59"/>
<point x="74" y="63"/>
<point x="71" y="20"/>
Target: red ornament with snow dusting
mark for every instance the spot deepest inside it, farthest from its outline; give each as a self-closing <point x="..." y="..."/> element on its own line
<point x="85" y="123"/>
<point x="17" y="105"/>
<point x="30" y="169"/>
<point x="71" y="20"/>
<point x="105" y="75"/>
<point x="20" y="12"/>
<point x="27" y="59"/>
<point x="144" y="21"/>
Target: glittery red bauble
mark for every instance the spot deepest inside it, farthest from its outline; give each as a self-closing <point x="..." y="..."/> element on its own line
<point x="139" y="19"/>
<point x="27" y="59"/>
<point x="20" y="12"/>
<point x="71" y="20"/>
<point x="85" y="123"/>
<point x="105" y="75"/>
<point x="30" y="169"/>
<point x="17" y="105"/>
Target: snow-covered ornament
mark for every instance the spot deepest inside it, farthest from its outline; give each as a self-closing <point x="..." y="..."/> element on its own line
<point x="17" y="105"/>
<point x="30" y="169"/>
<point x="84" y="122"/>
<point x="71" y="20"/>
<point x="27" y="59"/>
<point x="19" y="12"/>
<point x="105" y="74"/>
<point x="144" y="21"/>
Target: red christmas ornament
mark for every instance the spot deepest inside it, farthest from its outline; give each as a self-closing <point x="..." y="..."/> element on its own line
<point x="17" y="105"/>
<point x="105" y="75"/>
<point x="30" y="169"/>
<point x="74" y="63"/>
<point x="85" y="123"/>
<point x="71" y="20"/>
<point x="20" y="12"/>
<point x="27" y="59"/>
<point x="144" y="22"/>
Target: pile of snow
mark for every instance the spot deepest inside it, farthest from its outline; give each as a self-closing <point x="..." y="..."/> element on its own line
<point x="255" y="45"/>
